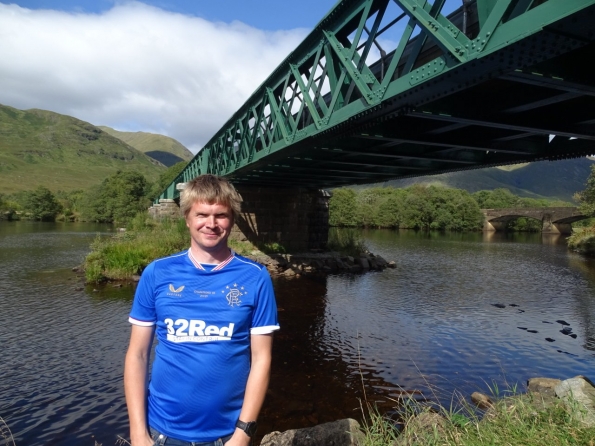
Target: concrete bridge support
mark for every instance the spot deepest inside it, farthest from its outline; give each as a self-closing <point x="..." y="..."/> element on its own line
<point x="296" y="219"/>
<point x="549" y="227"/>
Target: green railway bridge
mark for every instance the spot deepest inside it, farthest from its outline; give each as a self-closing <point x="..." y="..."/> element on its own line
<point x="387" y="89"/>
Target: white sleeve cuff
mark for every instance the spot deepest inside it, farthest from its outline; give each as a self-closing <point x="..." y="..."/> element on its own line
<point x="264" y="330"/>
<point x="141" y="323"/>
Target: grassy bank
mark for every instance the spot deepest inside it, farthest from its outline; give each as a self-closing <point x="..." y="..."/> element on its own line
<point x="526" y="420"/>
<point x="126" y="254"/>
<point x="582" y="240"/>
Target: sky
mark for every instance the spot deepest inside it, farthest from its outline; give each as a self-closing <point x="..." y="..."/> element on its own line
<point x="175" y="67"/>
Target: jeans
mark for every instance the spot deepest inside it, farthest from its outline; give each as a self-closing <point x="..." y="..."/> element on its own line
<point x="163" y="440"/>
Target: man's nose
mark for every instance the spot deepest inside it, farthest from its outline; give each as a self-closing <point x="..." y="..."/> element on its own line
<point x="211" y="221"/>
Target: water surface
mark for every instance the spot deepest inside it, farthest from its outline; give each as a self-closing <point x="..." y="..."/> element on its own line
<point x="459" y="312"/>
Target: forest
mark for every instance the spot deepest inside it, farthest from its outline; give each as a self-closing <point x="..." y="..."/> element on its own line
<point x="427" y="208"/>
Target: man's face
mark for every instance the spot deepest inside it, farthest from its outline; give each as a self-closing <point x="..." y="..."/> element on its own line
<point x="210" y="226"/>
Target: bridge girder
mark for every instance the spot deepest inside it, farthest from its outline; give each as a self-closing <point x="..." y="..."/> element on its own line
<point x="486" y="85"/>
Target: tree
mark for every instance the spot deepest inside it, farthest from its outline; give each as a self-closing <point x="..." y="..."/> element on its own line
<point x="8" y="207"/>
<point x="42" y="204"/>
<point x="586" y="198"/>
<point x="117" y="199"/>
<point x="165" y="179"/>
<point x="342" y="208"/>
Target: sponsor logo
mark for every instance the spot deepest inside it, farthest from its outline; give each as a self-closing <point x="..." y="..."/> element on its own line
<point x="233" y="294"/>
<point x="195" y="330"/>
<point x="176" y="292"/>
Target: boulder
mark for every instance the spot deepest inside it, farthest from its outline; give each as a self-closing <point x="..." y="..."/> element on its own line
<point x="381" y="262"/>
<point x="544" y="386"/>
<point x="363" y="262"/>
<point x="337" y="433"/>
<point x="482" y="401"/>
<point x="578" y="394"/>
<point x="289" y="273"/>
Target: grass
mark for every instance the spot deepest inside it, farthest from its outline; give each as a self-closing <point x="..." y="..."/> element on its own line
<point x="583" y="240"/>
<point x="347" y="241"/>
<point x="5" y="434"/>
<point x="61" y="152"/>
<point x="516" y="419"/>
<point x="128" y="253"/>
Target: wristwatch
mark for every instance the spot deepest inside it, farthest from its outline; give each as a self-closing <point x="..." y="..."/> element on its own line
<point x="249" y="427"/>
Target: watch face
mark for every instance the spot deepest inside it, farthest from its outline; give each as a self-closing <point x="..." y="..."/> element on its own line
<point x="251" y="428"/>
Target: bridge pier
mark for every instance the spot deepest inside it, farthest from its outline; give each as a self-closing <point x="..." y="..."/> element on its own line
<point x="489" y="226"/>
<point x="549" y="227"/>
<point x="296" y="219"/>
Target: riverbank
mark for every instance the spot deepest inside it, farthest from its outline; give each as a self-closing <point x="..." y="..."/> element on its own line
<point x="551" y="412"/>
<point x="583" y="241"/>
<point x="123" y="256"/>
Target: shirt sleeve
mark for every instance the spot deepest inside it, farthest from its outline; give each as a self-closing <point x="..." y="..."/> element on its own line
<point x="143" y="307"/>
<point x="264" y="317"/>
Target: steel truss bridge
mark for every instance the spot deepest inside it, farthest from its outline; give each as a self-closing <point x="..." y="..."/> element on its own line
<point x="386" y="89"/>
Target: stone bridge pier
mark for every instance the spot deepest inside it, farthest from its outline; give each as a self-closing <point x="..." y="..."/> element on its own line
<point x="554" y="220"/>
<point x="295" y="218"/>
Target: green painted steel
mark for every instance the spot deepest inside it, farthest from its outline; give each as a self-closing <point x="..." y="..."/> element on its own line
<point x="383" y="89"/>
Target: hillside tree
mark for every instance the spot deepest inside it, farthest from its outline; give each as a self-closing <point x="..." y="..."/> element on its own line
<point x="117" y="199"/>
<point x="41" y="204"/>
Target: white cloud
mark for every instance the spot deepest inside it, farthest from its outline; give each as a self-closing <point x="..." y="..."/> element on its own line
<point x="136" y="67"/>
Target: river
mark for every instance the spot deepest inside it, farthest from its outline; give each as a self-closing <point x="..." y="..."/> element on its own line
<point x="460" y="312"/>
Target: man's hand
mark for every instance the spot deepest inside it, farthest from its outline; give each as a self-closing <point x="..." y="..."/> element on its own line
<point x="239" y="438"/>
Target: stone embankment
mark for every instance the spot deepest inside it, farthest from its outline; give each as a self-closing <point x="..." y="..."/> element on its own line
<point x="320" y="263"/>
<point x="577" y="393"/>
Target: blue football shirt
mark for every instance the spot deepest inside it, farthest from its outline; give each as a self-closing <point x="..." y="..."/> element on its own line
<point x="203" y="316"/>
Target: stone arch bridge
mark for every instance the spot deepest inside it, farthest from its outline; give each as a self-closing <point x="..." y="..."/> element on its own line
<point x="555" y="220"/>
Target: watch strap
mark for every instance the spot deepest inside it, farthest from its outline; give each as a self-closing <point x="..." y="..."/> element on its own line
<point x="248" y="427"/>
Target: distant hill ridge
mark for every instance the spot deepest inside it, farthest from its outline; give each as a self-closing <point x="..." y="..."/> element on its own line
<point x="40" y="147"/>
<point x="541" y="179"/>
<point x="164" y="149"/>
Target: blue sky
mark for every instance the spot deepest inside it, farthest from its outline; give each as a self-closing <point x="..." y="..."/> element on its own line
<point x="262" y="14"/>
<point x="174" y="67"/>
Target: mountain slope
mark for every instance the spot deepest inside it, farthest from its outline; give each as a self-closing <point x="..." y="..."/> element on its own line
<point x="164" y="149"/>
<point x="549" y="179"/>
<point x="39" y="147"/>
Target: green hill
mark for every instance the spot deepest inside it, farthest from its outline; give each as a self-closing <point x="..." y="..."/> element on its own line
<point x="164" y="149"/>
<point x="542" y="179"/>
<point x="39" y="147"/>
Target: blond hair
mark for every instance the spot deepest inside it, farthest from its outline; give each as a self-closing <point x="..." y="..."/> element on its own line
<point x="210" y="189"/>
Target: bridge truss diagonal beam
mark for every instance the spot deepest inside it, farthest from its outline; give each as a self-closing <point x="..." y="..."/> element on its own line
<point x="443" y="90"/>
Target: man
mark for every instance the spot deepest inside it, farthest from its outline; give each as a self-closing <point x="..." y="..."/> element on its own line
<point x="213" y="313"/>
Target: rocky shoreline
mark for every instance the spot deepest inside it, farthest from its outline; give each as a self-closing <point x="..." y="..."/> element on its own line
<point x="578" y="394"/>
<point x="320" y="263"/>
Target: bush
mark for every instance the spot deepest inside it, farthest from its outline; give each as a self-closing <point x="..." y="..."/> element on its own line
<point x="41" y="204"/>
<point x="121" y="256"/>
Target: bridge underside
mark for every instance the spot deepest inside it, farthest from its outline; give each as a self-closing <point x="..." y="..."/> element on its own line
<point x="495" y="82"/>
